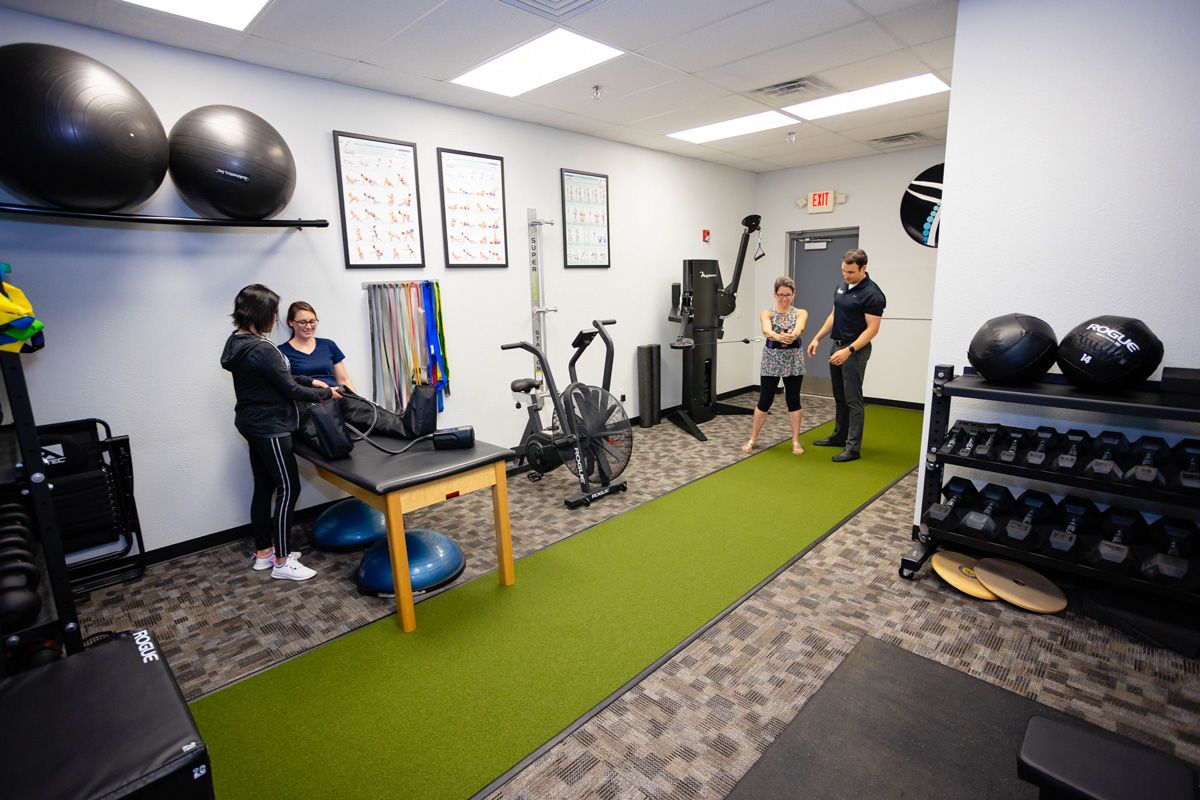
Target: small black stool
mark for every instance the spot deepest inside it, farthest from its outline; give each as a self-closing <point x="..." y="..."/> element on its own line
<point x="1068" y="763"/>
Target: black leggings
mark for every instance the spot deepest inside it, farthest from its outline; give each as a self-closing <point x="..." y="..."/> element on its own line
<point x="791" y="391"/>
<point x="275" y="476"/>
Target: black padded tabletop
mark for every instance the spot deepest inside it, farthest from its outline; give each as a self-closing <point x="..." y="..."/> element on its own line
<point x="381" y="473"/>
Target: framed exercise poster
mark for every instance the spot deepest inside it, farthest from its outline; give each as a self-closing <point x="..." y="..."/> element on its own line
<point x="473" y="216"/>
<point x="380" y="201"/>
<point x="585" y="219"/>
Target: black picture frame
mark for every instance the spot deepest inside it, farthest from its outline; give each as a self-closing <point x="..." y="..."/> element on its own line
<point x="585" y="220"/>
<point x="381" y="212"/>
<point x="474" y="215"/>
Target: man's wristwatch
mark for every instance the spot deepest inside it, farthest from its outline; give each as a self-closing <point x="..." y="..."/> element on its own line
<point x="850" y="347"/>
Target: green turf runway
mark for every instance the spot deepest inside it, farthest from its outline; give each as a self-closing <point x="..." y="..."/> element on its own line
<point x="492" y="673"/>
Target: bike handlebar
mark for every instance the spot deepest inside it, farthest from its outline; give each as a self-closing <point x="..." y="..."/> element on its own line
<point x="605" y="322"/>
<point x="514" y="345"/>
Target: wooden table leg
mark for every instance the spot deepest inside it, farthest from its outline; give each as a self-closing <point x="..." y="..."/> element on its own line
<point x="398" y="552"/>
<point x="504" y="556"/>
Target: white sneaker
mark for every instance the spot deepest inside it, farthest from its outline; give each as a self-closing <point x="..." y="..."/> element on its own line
<point x="293" y="570"/>
<point x="259" y="564"/>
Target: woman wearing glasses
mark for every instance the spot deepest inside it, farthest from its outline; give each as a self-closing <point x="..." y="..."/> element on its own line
<point x="319" y="359"/>
<point x="782" y="357"/>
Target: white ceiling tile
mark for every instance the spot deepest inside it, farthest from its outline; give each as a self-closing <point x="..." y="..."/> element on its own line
<point x="938" y="54"/>
<point x="932" y="104"/>
<point x="452" y="94"/>
<point x="923" y="122"/>
<point x="824" y="155"/>
<point x="733" y="38"/>
<point x="777" y="148"/>
<point x="327" y="27"/>
<point x="370" y="76"/>
<point x="877" y="7"/>
<point x="157" y="26"/>
<point x="634" y="24"/>
<point x="458" y="35"/>
<point x="81" y="11"/>
<point x="616" y="78"/>
<point x="777" y="138"/>
<point x="284" y="56"/>
<point x="855" y="43"/>
<point x="922" y="23"/>
<point x="621" y="133"/>
<point x="730" y="106"/>
<point x="873" y="71"/>
<point x="657" y="100"/>
<point x="578" y="124"/>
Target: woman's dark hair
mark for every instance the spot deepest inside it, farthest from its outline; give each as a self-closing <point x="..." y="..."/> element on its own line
<point x="299" y="305"/>
<point x="255" y="308"/>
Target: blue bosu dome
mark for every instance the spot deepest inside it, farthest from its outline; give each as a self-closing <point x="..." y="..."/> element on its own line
<point x="348" y="525"/>
<point x="433" y="560"/>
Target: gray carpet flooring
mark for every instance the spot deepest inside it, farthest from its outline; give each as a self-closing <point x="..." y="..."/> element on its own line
<point x="695" y="726"/>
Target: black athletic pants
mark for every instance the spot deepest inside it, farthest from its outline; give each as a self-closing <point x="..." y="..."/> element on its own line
<point x="275" y="478"/>
<point x="847" y="382"/>
<point x="767" y="384"/>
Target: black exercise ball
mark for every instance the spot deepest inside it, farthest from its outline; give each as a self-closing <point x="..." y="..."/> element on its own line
<point x="1014" y="348"/>
<point x="76" y="134"/>
<point x="1109" y="353"/>
<point x="228" y="162"/>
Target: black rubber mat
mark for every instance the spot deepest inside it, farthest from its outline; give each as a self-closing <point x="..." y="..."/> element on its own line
<point x="891" y="724"/>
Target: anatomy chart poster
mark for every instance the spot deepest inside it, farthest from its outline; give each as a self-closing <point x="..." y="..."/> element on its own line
<point x="473" y="209"/>
<point x="380" y="200"/>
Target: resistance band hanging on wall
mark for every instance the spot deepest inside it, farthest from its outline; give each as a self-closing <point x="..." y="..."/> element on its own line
<point x="408" y="341"/>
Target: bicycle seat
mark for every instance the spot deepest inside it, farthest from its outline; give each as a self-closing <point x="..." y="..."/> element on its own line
<point x="526" y="385"/>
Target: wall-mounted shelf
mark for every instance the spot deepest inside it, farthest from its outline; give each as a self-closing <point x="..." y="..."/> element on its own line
<point x="55" y="214"/>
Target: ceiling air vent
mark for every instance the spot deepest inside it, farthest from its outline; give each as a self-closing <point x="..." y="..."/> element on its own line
<point x="900" y="141"/>
<point x="796" y="88"/>
<point x="555" y="10"/>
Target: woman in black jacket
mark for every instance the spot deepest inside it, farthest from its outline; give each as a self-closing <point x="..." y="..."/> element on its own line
<point x="266" y="414"/>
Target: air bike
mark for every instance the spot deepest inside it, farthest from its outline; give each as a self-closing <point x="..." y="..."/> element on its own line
<point x="589" y="432"/>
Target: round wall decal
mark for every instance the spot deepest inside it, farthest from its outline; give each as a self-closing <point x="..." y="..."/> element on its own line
<point x="921" y="207"/>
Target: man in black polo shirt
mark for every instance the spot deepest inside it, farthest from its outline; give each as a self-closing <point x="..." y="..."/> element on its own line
<point x="853" y="323"/>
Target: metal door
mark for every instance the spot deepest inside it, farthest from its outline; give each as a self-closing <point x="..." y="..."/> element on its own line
<point x="815" y="264"/>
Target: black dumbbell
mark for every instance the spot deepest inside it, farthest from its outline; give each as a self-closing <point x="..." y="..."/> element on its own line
<point x="15" y="518"/>
<point x="1149" y="455"/>
<point x="1187" y="463"/>
<point x="1122" y="527"/>
<point x="1015" y="440"/>
<point x="1077" y="516"/>
<point x="15" y="529"/>
<point x="1109" y="447"/>
<point x="951" y="442"/>
<point x="1043" y="448"/>
<point x="19" y="603"/>
<point x="1033" y="507"/>
<point x="1075" y="449"/>
<point x="990" y="440"/>
<point x="1174" y="538"/>
<point x="996" y="499"/>
<point x="958" y="491"/>
<point x="13" y="540"/>
<point x="15" y="553"/>
<point x="970" y="436"/>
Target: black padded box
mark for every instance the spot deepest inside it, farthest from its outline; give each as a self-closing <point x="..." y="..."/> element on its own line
<point x="109" y="722"/>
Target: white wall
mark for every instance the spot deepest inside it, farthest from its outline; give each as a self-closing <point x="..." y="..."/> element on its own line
<point x="904" y="269"/>
<point x="136" y="316"/>
<point x="1071" y="175"/>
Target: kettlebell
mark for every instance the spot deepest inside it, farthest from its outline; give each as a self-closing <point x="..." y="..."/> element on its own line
<point x="19" y="604"/>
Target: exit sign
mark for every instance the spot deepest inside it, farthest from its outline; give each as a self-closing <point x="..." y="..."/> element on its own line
<point x="820" y="202"/>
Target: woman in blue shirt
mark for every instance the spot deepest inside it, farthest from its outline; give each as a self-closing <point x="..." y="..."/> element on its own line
<point x="319" y="359"/>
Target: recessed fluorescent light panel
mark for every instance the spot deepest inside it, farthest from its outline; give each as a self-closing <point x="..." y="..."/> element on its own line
<point x="734" y="127"/>
<point x="544" y="60"/>
<point x="236" y="14"/>
<point x="881" y="95"/>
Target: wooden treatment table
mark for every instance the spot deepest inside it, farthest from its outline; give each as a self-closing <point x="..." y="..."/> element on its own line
<point x="419" y="478"/>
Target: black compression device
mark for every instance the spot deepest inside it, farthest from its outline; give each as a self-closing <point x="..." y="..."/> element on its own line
<point x="460" y="438"/>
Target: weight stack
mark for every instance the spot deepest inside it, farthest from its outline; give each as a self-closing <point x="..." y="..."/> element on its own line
<point x="649" y="369"/>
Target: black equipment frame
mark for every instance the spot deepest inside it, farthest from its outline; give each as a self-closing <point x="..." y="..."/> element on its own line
<point x="1053" y="391"/>
<point x="700" y="304"/>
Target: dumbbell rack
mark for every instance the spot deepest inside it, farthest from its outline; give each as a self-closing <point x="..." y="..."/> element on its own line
<point x="1052" y="391"/>
<point x="57" y="625"/>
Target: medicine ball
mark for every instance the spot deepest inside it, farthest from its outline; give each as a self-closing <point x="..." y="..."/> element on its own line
<point x="1014" y="348"/>
<point x="228" y="162"/>
<point x="1109" y="353"/>
<point x="76" y="134"/>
